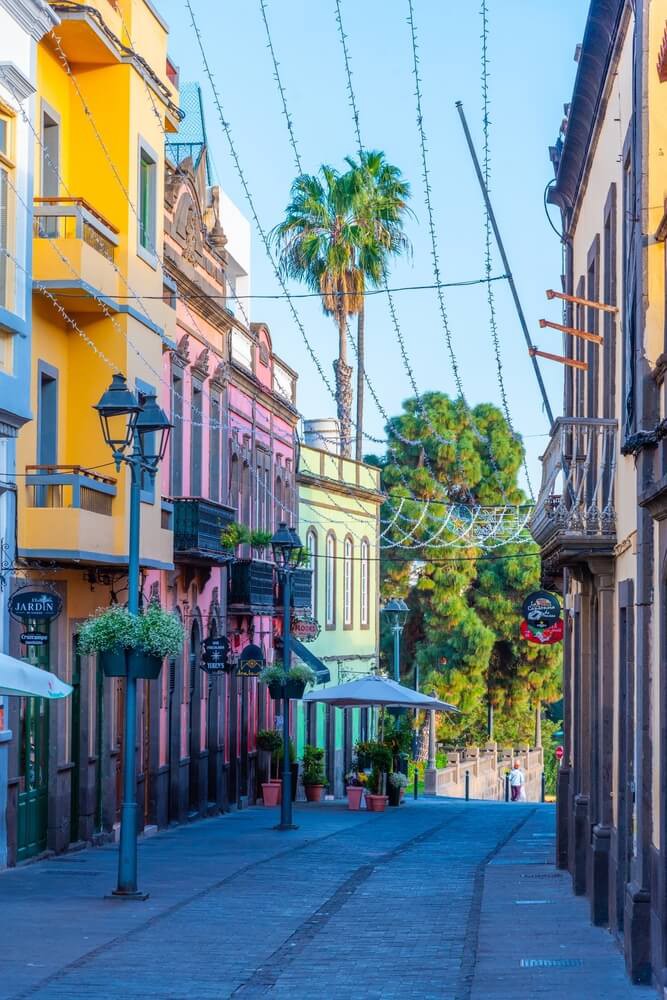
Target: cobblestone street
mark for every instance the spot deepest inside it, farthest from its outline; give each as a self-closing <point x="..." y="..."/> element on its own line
<point x="438" y="899"/>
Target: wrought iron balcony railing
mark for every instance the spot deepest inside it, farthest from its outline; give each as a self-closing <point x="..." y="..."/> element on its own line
<point x="575" y="507"/>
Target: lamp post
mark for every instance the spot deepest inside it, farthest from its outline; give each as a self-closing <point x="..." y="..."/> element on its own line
<point x="137" y="431"/>
<point x="397" y="612"/>
<point x="287" y="549"/>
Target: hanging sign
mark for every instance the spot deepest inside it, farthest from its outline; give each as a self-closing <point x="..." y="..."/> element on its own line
<point x="214" y="654"/>
<point x="544" y="637"/>
<point x="305" y="628"/>
<point x="26" y="604"/>
<point x="251" y="661"/>
<point x="34" y="638"/>
<point x="560" y="753"/>
<point x="541" y="609"/>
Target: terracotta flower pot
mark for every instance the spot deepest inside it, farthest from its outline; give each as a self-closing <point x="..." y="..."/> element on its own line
<point x="314" y="792"/>
<point x="279" y="784"/>
<point x="376" y="803"/>
<point x="271" y="793"/>
<point x="354" y="794"/>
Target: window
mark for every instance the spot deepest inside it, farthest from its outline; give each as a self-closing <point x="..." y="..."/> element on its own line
<point x="4" y="234"/>
<point x="609" y="296"/>
<point x="147" y="480"/>
<point x="234" y="484"/>
<point x="196" y="412"/>
<point x="347" y="582"/>
<point x="278" y="501"/>
<point x="47" y="426"/>
<point x="331" y="582"/>
<point x="364" y="567"/>
<point x="311" y="545"/>
<point x="176" y="440"/>
<point x="147" y="201"/>
<point x="214" y="448"/>
<point x="593" y="351"/>
<point x="50" y="155"/>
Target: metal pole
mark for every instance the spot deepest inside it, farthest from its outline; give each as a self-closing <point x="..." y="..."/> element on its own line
<point x="416" y="783"/>
<point x="431" y="740"/>
<point x="507" y="788"/>
<point x="397" y="652"/>
<point x="286" y="801"/>
<point x="543" y="789"/>
<point x="467" y="785"/>
<point x="503" y="257"/>
<point x="127" y="854"/>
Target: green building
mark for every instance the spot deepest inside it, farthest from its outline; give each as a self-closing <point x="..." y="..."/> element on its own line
<point x="339" y="522"/>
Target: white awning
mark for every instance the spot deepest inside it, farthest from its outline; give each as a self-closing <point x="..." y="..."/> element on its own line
<point x="20" y="678"/>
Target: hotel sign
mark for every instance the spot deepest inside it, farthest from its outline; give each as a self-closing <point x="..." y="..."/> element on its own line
<point x="42" y="604"/>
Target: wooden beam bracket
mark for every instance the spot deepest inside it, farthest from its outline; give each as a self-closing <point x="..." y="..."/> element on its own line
<point x="572" y="331"/>
<point x="572" y="362"/>
<point x="551" y="294"/>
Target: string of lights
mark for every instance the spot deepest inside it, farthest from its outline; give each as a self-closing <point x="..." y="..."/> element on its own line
<point x="281" y="89"/>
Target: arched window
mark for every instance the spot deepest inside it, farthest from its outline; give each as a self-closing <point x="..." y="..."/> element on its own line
<point x="331" y="582"/>
<point x="347" y="582"/>
<point x="364" y="576"/>
<point x="278" y="502"/>
<point x="311" y="545"/>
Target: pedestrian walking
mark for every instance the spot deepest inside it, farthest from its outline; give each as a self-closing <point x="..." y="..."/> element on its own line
<point x="517" y="783"/>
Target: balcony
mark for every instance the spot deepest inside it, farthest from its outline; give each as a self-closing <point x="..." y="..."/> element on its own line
<point x="197" y="528"/>
<point x="575" y="518"/>
<point x="301" y="590"/>
<point x="68" y="514"/>
<point x="251" y="585"/>
<point x="73" y="253"/>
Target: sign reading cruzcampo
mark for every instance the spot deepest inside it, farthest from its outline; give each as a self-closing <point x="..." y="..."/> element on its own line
<point x="43" y="604"/>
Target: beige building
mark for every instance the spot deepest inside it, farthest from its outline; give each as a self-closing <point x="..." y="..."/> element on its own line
<point x="600" y="518"/>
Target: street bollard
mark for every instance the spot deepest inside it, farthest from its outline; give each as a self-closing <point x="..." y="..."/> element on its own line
<point x="467" y="785"/>
<point x="416" y="784"/>
<point x="544" y="787"/>
<point x="507" y="788"/>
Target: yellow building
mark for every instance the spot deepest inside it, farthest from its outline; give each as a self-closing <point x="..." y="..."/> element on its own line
<point x="100" y="111"/>
<point x="339" y="523"/>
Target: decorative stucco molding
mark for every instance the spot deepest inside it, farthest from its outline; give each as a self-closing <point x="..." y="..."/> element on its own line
<point x="34" y="16"/>
<point x="19" y="85"/>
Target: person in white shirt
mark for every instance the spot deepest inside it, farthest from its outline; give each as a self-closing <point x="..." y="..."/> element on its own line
<point x="517" y="782"/>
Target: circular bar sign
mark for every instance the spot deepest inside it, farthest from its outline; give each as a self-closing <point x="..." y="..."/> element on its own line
<point x="43" y="604"/>
<point x="541" y="609"/>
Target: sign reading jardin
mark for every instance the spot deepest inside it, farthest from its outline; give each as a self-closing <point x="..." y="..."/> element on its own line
<point x="251" y="661"/>
<point x="541" y="610"/>
<point x="25" y="604"/>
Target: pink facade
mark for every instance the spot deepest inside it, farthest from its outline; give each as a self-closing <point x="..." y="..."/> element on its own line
<point x="231" y="458"/>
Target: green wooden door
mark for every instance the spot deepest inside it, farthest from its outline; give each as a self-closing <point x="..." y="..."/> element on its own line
<point x="33" y="763"/>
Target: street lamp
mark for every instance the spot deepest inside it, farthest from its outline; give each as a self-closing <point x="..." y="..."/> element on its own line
<point x="397" y="612"/>
<point x="144" y="427"/>
<point x="287" y="549"/>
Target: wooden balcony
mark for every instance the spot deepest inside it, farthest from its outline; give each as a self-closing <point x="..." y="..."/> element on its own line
<point x="73" y="254"/>
<point x="301" y="590"/>
<point x="198" y="525"/>
<point x="575" y="517"/>
<point x="252" y="585"/>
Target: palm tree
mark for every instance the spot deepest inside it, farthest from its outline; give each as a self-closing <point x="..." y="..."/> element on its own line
<point x="320" y="241"/>
<point x="381" y="208"/>
<point x="337" y="236"/>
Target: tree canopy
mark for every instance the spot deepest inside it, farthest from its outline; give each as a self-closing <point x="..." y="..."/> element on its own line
<point x="463" y="630"/>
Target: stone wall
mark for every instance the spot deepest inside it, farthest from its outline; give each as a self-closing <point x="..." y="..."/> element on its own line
<point x="487" y="767"/>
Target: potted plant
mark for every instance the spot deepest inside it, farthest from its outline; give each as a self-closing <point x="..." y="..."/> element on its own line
<point x="270" y="742"/>
<point x="233" y="535"/>
<point x="161" y="634"/>
<point x="259" y="540"/>
<point x="291" y="685"/>
<point x="396" y="784"/>
<point x="381" y="759"/>
<point x="313" y="774"/>
<point x="354" y="788"/>
<point x="110" y="632"/>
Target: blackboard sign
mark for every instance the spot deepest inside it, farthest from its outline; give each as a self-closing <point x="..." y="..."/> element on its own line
<point x="214" y="654"/>
<point x="26" y="604"/>
<point x="541" y="610"/>
<point x="251" y="661"/>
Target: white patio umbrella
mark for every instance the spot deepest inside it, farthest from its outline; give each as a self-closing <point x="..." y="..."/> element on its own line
<point x="372" y="690"/>
<point x="20" y="678"/>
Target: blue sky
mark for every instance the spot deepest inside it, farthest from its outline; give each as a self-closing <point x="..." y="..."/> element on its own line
<point x="532" y="69"/>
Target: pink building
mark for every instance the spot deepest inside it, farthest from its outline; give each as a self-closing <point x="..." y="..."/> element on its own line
<point x="231" y="459"/>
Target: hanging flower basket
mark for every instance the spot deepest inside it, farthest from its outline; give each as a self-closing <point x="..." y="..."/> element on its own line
<point x="144" y="666"/>
<point x="113" y="662"/>
<point x="291" y="685"/>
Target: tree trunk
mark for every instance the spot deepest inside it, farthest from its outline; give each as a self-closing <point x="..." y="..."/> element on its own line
<point x="343" y="374"/>
<point x="361" y="348"/>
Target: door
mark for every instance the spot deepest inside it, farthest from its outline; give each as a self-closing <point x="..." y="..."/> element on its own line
<point x="99" y="745"/>
<point x="75" y="773"/>
<point x="194" y="715"/>
<point x="33" y="761"/>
